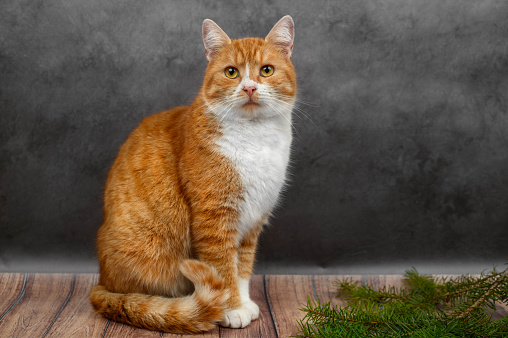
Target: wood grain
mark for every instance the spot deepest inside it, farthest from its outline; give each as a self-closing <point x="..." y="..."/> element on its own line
<point x="210" y="334"/>
<point x="379" y="281"/>
<point x="44" y="297"/>
<point x="286" y="296"/>
<point x="11" y="287"/>
<point x="499" y="312"/>
<point x="122" y="330"/>
<point x="78" y="318"/>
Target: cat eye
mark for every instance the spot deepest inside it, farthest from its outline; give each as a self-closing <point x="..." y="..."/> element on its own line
<point x="266" y="71"/>
<point x="231" y="72"/>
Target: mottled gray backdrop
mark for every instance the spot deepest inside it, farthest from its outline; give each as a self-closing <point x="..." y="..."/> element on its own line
<point x="401" y="136"/>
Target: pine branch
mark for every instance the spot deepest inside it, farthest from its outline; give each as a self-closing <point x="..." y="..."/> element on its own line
<point x="466" y="286"/>
<point x="349" y="290"/>
<point x="481" y="301"/>
<point x="416" y="310"/>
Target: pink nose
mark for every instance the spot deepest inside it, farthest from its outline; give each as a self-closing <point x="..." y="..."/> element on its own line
<point x="250" y="90"/>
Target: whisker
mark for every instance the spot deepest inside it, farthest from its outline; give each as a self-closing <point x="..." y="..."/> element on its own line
<point x="296" y="100"/>
<point x="217" y="108"/>
<point x="284" y="116"/>
<point x="296" y="110"/>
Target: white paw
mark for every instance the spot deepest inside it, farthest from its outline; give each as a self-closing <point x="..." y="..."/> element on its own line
<point x="236" y="318"/>
<point x="241" y="316"/>
<point x="251" y="308"/>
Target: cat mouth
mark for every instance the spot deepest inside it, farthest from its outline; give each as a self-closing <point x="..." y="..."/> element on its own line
<point x="250" y="105"/>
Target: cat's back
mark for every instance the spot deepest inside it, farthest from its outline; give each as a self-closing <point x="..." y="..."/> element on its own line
<point x="147" y="158"/>
<point x="157" y="131"/>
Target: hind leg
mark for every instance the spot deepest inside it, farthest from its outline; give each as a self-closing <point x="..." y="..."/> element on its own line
<point x="215" y="244"/>
<point x="144" y="263"/>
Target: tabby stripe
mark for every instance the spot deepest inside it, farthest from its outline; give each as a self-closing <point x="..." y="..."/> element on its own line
<point x="127" y="318"/>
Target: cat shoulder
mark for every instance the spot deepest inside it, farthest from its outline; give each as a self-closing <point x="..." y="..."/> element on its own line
<point x="166" y="117"/>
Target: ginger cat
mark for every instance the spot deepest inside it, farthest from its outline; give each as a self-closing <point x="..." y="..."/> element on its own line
<point x="193" y="186"/>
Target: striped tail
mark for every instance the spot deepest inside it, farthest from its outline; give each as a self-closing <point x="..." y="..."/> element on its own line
<point x="196" y="313"/>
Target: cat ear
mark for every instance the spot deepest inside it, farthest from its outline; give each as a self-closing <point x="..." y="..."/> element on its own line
<point x="213" y="38"/>
<point x="283" y="34"/>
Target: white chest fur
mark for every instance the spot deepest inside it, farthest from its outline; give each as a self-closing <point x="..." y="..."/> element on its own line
<point x="259" y="151"/>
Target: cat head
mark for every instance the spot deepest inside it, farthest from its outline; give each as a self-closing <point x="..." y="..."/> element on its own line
<point x="250" y="77"/>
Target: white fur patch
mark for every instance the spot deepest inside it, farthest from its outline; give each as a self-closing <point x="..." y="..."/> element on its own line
<point x="258" y="145"/>
<point x="236" y="318"/>
<point x="247" y="312"/>
<point x="243" y="287"/>
<point x="246" y="82"/>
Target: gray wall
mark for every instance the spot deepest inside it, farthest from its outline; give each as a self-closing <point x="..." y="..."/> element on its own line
<point x="400" y="154"/>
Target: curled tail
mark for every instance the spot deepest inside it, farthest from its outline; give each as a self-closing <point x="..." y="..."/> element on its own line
<point x="191" y="314"/>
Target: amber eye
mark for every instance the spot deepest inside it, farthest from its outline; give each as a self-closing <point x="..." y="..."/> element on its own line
<point x="266" y="71"/>
<point x="231" y="72"/>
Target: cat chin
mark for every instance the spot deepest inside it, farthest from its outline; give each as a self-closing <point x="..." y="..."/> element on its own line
<point x="254" y="110"/>
<point x="251" y="106"/>
<point x="261" y="115"/>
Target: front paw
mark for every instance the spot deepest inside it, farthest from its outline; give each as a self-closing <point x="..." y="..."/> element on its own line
<point x="251" y="308"/>
<point x="241" y="316"/>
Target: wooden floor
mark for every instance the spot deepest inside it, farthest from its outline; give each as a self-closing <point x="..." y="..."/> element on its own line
<point x="56" y="305"/>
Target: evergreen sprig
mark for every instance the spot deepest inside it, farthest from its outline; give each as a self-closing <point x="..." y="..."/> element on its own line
<point x="426" y="307"/>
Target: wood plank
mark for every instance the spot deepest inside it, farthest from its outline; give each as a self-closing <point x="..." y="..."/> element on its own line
<point x="499" y="312"/>
<point x="263" y="327"/>
<point x="286" y="295"/>
<point x="503" y="308"/>
<point x="326" y="287"/>
<point x="123" y="330"/>
<point x="11" y="291"/>
<point x="44" y="297"/>
<point x="52" y="304"/>
<point x="379" y="281"/>
<point x="78" y="318"/>
<point x="210" y="334"/>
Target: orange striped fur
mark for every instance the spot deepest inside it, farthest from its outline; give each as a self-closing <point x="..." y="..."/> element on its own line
<point x="184" y="202"/>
